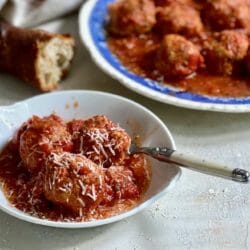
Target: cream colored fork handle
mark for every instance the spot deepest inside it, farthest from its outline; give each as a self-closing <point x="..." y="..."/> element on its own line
<point x="193" y="163"/>
<point x="210" y="167"/>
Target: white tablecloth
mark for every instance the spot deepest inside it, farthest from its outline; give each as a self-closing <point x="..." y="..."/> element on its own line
<point x="200" y="212"/>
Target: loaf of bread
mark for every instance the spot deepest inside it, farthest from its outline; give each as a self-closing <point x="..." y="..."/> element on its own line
<point x="35" y="56"/>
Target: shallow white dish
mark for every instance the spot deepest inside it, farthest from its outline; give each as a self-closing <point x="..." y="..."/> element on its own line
<point x="82" y="104"/>
<point x="92" y="19"/>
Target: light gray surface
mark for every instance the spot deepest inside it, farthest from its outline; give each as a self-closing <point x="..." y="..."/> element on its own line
<point x="200" y="212"/>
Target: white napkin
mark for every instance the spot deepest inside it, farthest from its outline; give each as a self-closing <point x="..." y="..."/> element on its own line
<point x="28" y="13"/>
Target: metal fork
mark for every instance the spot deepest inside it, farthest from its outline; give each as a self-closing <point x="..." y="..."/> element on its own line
<point x="188" y="161"/>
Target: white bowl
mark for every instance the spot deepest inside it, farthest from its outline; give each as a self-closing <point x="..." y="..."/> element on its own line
<point x="80" y="104"/>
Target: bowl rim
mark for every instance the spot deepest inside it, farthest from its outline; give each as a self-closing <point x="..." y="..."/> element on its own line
<point x="28" y="218"/>
<point x="86" y="37"/>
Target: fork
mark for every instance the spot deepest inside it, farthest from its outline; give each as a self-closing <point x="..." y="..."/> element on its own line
<point x="190" y="162"/>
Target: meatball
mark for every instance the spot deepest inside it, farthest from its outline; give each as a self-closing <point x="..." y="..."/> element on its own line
<point x="179" y="18"/>
<point x="225" y="52"/>
<point x="141" y="171"/>
<point x="131" y="17"/>
<point x="73" y="181"/>
<point x="227" y="14"/>
<point x="122" y="182"/>
<point x="177" y="57"/>
<point x="39" y="137"/>
<point x="101" y="140"/>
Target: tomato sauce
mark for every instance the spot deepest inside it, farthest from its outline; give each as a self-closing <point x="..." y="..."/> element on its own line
<point x="137" y="53"/>
<point x="123" y="187"/>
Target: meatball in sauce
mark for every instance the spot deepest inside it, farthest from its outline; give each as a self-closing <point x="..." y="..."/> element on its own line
<point x="74" y="182"/>
<point x="177" y="57"/>
<point x="227" y="14"/>
<point x="40" y="137"/>
<point x="72" y="171"/>
<point x="225" y="52"/>
<point x="131" y="17"/>
<point x="97" y="139"/>
<point x="179" y="19"/>
<point x="205" y="52"/>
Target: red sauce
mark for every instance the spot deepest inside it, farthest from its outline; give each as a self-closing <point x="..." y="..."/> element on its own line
<point x="137" y="54"/>
<point x="25" y="190"/>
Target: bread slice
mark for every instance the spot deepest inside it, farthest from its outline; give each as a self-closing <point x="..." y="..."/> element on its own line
<point x="35" y="56"/>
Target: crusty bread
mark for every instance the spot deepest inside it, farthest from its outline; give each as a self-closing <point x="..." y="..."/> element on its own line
<point x="35" y="56"/>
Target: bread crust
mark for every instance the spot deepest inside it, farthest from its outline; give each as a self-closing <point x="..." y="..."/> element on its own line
<point x="19" y="52"/>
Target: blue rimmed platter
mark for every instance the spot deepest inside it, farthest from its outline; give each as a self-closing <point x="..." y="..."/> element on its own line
<point x="92" y="19"/>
